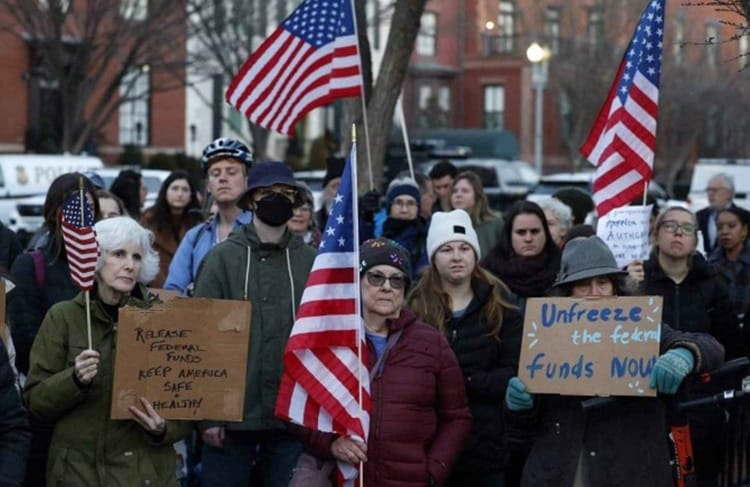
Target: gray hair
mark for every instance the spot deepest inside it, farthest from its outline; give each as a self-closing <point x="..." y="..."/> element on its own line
<point x="562" y="212"/>
<point x="118" y="232"/>
<point x="726" y="180"/>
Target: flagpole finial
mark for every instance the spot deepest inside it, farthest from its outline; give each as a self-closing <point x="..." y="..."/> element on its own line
<point x="354" y="133"/>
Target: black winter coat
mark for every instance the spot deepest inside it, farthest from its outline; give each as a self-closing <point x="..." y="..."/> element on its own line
<point x="487" y="364"/>
<point x="27" y="304"/>
<point x="15" y="436"/>
<point x="625" y="443"/>
<point x="700" y="303"/>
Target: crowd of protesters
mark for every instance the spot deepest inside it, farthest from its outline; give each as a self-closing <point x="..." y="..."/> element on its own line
<point x="444" y="285"/>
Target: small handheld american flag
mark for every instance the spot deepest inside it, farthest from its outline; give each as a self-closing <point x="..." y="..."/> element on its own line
<point x="80" y="239"/>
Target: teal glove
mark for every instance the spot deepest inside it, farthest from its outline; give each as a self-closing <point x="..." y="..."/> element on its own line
<point x="516" y="397"/>
<point x="670" y="369"/>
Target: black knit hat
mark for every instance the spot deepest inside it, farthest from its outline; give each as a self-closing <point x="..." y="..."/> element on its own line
<point x="335" y="168"/>
<point x="384" y="251"/>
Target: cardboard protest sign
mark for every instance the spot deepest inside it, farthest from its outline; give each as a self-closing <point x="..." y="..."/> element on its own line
<point x="187" y="356"/>
<point x="591" y="347"/>
<point x="625" y="231"/>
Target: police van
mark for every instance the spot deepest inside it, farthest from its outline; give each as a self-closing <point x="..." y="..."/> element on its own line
<point x="27" y="175"/>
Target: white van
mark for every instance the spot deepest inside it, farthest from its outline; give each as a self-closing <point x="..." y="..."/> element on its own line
<point x="30" y="175"/>
<point x="739" y="169"/>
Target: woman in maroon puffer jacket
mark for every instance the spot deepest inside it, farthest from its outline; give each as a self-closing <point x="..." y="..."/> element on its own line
<point x="419" y="420"/>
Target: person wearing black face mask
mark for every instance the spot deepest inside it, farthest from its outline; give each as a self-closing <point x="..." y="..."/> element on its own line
<point x="264" y="263"/>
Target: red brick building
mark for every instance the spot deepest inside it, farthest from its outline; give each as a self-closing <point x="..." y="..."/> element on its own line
<point x="31" y="113"/>
<point x="469" y="68"/>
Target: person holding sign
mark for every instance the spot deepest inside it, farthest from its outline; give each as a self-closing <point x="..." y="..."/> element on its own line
<point x="71" y="384"/>
<point x="622" y="443"/>
<point x="695" y="300"/>
<point x="470" y="307"/>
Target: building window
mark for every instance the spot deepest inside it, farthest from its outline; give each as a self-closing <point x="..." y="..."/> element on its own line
<point x="552" y="29"/>
<point x="494" y="106"/>
<point x="744" y="43"/>
<point x="427" y="36"/>
<point x="64" y="4"/>
<point x="506" y="25"/>
<point x="712" y="45"/>
<point x="134" y="9"/>
<point x="434" y="106"/>
<point x="373" y="22"/>
<point x="134" y="110"/>
<point x="595" y="26"/>
<point x="679" y="39"/>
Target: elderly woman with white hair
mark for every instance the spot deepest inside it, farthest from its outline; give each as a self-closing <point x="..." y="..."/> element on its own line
<point x="70" y="384"/>
<point x="559" y="218"/>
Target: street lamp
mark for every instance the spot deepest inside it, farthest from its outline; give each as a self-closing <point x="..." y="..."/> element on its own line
<point x="538" y="55"/>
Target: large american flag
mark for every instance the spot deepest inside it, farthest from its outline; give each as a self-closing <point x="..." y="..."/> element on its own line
<point x="323" y="373"/>
<point x="622" y="142"/>
<point x="310" y="60"/>
<point x="78" y="233"/>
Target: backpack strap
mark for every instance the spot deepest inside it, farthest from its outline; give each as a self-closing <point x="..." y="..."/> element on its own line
<point x="39" y="272"/>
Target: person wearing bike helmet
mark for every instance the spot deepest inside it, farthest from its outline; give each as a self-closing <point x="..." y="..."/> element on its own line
<point x="226" y="163"/>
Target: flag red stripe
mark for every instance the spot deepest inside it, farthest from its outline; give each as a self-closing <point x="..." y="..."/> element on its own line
<point x="328" y="307"/>
<point x="331" y="276"/>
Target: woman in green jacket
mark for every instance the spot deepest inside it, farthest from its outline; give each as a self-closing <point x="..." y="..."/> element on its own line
<point x="72" y="385"/>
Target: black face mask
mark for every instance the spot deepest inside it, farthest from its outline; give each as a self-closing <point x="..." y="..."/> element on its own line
<point x="274" y="210"/>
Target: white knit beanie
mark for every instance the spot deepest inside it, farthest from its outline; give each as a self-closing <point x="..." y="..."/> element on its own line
<point x="449" y="226"/>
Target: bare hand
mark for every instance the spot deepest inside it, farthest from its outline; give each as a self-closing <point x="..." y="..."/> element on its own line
<point x="349" y="450"/>
<point x="150" y="420"/>
<point x="635" y="271"/>
<point x="86" y="366"/>
<point x="214" y="436"/>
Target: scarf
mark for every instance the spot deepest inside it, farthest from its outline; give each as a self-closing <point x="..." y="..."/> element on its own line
<point x="529" y="278"/>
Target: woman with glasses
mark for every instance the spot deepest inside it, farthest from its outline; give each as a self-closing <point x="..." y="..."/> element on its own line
<point x="470" y="308"/>
<point x="695" y="300"/>
<point x="419" y="419"/>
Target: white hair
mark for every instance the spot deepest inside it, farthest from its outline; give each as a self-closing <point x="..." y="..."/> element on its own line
<point x="725" y="179"/>
<point x="121" y="231"/>
<point x="562" y="212"/>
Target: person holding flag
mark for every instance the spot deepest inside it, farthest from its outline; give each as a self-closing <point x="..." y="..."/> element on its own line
<point x="264" y="263"/>
<point x="72" y="364"/>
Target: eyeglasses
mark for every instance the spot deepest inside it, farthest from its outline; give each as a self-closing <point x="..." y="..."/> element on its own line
<point x="375" y="279"/>
<point x="685" y="228"/>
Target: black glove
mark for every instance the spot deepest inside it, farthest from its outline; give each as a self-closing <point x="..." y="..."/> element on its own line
<point x="369" y="204"/>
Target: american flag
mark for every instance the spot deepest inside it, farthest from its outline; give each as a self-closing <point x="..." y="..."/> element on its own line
<point x="310" y="60"/>
<point x="320" y="387"/>
<point x="622" y="142"/>
<point x="80" y="239"/>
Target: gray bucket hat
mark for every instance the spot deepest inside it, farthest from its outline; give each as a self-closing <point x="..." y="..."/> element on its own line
<point x="584" y="258"/>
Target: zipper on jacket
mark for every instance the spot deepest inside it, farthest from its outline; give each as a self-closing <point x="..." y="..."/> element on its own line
<point x="453" y="336"/>
<point x="677" y="307"/>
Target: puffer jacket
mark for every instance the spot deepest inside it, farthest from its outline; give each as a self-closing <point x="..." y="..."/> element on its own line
<point x="88" y="448"/>
<point x="419" y="420"/>
<point x="15" y="437"/>
<point x="625" y="442"/>
<point x="272" y="277"/>
<point x="487" y="365"/>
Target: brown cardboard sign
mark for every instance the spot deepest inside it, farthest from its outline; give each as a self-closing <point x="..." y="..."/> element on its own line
<point x="591" y="347"/>
<point x="187" y="356"/>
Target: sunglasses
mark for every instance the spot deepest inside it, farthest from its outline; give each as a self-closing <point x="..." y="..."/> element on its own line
<point x="377" y="280"/>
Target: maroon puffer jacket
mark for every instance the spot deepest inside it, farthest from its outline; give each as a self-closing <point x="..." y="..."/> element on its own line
<point x="420" y="419"/>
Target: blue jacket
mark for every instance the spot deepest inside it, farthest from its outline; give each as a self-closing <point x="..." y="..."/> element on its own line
<point x="193" y="248"/>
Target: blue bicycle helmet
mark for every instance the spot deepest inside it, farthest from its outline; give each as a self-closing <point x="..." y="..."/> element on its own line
<point x="226" y="147"/>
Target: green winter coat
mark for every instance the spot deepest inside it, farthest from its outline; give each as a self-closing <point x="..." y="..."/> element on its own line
<point x="88" y="448"/>
<point x="266" y="283"/>
<point x="489" y="232"/>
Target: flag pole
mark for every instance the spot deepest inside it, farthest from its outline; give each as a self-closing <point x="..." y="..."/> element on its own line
<point x="645" y="191"/>
<point x="357" y="292"/>
<point x="86" y="293"/>
<point x="405" y="135"/>
<point x="365" y="125"/>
